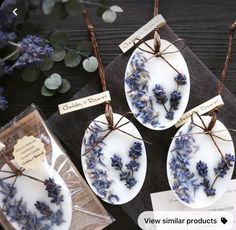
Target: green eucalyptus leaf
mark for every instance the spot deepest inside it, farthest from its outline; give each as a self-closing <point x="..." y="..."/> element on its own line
<point x="90" y="64"/>
<point x="109" y="16"/>
<point x="59" y="11"/>
<point x="85" y="47"/>
<point x="58" y="39"/>
<point x="65" y="86"/>
<point x="30" y="74"/>
<point x="116" y="8"/>
<point x="46" y="92"/>
<point x="72" y="58"/>
<point x="53" y="82"/>
<point x="73" y="8"/>
<point x="47" y="64"/>
<point x="47" y="6"/>
<point x="58" y="55"/>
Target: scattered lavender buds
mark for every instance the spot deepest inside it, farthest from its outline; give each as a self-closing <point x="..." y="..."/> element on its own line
<point x="222" y="168"/>
<point x="48" y="214"/>
<point x="54" y="191"/>
<point x="94" y="158"/>
<point x="17" y="211"/>
<point x="134" y="153"/>
<point x="181" y="79"/>
<point x="185" y="184"/>
<point x="138" y="85"/>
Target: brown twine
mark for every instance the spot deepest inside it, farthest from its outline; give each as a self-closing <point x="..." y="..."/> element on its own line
<point x="155" y="7"/>
<point x="108" y="107"/>
<point x="110" y="130"/>
<point x="156" y="50"/>
<point x="214" y="112"/>
<point x="209" y="132"/>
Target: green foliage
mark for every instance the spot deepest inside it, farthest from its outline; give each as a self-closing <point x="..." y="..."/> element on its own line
<point x="90" y="64"/>
<point x="53" y="84"/>
<point x="85" y="47"/>
<point x="30" y="74"/>
<point x="65" y="86"/>
<point x="46" y="92"/>
<point x="47" y="6"/>
<point x="59" y="54"/>
<point x="59" y="39"/>
<point x="47" y="64"/>
<point x="72" y="58"/>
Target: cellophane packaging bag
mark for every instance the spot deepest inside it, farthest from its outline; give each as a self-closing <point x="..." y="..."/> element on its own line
<point x="40" y="188"/>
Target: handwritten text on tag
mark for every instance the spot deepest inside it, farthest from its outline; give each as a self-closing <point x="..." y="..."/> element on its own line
<point x="156" y="22"/>
<point x="201" y="109"/>
<point x="85" y="102"/>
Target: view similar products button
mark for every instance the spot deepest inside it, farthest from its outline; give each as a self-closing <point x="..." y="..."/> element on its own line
<point x="186" y="220"/>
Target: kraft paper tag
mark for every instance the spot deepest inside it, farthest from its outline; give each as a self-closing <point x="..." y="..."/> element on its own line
<point x="85" y="102"/>
<point x="205" y="107"/>
<point x="29" y="152"/>
<point x="156" y="22"/>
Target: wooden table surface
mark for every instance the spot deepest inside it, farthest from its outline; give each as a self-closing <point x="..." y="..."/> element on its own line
<point x="203" y="24"/>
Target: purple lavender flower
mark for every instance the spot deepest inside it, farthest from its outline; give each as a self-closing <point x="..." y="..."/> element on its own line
<point x="130" y="182"/>
<point x="3" y="100"/>
<point x="170" y="115"/>
<point x="175" y="99"/>
<point x="210" y="191"/>
<point x="202" y="169"/>
<point x="116" y="162"/>
<point x="136" y="150"/>
<point x="5" y="69"/>
<point x="222" y="168"/>
<point x="133" y="165"/>
<point x="33" y="50"/>
<point x="44" y="209"/>
<point x="54" y="191"/>
<point x="57" y="218"/>
<point x="5" y="37"/>
<point x="181" y="79"/>
<point x="160" y="94"/>
<point x="113" y="197"/>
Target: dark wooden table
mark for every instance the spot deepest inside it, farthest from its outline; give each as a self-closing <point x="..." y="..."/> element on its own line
<point x="203" y="24"/>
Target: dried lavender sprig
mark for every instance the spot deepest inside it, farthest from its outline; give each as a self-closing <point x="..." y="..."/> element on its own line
<point x="54" y="191"/>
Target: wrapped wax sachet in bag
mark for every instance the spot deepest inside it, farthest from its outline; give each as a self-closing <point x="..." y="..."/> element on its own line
<point x="40" y="188"/>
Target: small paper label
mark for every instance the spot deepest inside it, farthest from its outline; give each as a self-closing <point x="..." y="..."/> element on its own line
<point x="29" y="152"/>
<point x="156" y="22"/>
<point x="85" y="102"/>
<point x="201" y="109"/>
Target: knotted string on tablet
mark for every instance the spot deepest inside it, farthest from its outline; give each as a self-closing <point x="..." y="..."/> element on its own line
<point x="108" y="109"/>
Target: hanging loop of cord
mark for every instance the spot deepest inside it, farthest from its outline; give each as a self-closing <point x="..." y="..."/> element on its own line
<point x="108" y="107"/>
